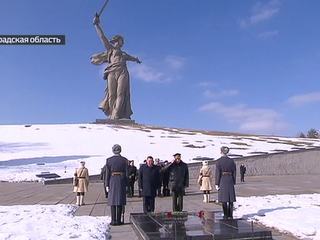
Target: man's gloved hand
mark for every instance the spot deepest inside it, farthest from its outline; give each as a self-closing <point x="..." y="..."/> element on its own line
<point x="217" y="187"/>
<point x="107" y="188"/>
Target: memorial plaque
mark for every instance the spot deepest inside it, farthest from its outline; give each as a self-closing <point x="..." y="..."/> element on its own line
<point x="198" y="226"/>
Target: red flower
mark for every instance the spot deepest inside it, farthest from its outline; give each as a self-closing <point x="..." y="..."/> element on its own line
<point x="201" y="214"/>
<point x="169" y="214"/>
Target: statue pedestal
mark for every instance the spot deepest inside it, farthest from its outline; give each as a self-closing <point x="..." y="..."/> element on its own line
<point x="122" y="121"/>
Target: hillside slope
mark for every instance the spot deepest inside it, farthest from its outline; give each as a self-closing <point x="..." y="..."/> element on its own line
<point x="29" y="150"/>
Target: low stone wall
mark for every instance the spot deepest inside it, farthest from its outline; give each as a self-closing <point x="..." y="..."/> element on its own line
<point x="299" y="162"/>
<point x="92" y="179"/>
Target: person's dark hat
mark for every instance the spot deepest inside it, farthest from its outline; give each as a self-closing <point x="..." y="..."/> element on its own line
<point x="225" y="150"/>
<point x="177" y="154"/>
<point x="116" y="149"/>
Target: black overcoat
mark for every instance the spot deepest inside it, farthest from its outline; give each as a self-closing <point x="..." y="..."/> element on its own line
<point x="178" y="176"/>
<point x="116" y="179"/>
<point x="149" y="180"/>
<point x="132" y="173"/>
<point x="243" y="169"/>
<point x="226" y="179"/>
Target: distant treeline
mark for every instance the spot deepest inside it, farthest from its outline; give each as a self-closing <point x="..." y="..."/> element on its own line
<point x="312" y="133"/>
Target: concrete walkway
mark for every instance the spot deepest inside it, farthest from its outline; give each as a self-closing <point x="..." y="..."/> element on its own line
<point x="96" y="205"/>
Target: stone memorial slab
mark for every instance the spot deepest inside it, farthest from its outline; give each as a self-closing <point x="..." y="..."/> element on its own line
<point x="197" y="226"/>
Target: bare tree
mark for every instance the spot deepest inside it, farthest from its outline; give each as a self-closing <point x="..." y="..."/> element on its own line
<point x="301" y="135"/>
<point x="313" y="133"/>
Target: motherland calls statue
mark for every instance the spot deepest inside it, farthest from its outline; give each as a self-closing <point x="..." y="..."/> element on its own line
<point x="116" y="102"/>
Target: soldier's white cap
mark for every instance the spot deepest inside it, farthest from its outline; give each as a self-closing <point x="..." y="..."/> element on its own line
<point x="205" y="163"/>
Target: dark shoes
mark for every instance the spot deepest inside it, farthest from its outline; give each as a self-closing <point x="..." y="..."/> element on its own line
<point x="116" y="214"/>
<point x="227" y="210"/>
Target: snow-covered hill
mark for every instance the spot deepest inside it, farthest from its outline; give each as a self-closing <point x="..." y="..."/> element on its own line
<point x="29" y="150"/>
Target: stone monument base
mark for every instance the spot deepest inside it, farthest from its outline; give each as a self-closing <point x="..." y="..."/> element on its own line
<point x="202" y="225"/>
<point x="121" y="121"/>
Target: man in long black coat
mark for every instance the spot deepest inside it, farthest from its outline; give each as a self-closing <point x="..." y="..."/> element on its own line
<point x="159" y="165"/>
<point x="149" y="181"/>
<point x="178" y="181"/>
<point x="116" y="183"/>
<point x="243" y="170"/>
<point x="225" y="180"/>
<point x="103" y="177"/>
<point x="165" y="181"/>
<point x="132" y="177"/>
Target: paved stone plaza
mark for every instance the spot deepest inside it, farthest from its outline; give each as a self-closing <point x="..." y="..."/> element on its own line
<point x="36" y="193"/>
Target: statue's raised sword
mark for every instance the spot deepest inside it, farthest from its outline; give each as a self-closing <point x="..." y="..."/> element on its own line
<point x="102" y="9"/>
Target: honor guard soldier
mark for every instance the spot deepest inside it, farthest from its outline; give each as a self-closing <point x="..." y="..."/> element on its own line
<point x="225" y="181"/>
<point x="116" y="183"/>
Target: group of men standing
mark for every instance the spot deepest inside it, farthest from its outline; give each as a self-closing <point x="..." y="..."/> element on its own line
<point x="118" y="176"/>
<point x="133" y="176"/>
<point x="150" y="182"/>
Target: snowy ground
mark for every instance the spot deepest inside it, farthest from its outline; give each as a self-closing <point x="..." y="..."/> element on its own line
<point x="29" y="150"/>
<point x="297" y="214"/>
<point x="47" y="222"/>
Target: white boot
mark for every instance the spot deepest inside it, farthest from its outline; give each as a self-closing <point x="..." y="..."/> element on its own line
<point x="81" y="200"/>
<point x="204" y="198"/>
<point x="78" y="200"/>
<point x="208" y="197"/>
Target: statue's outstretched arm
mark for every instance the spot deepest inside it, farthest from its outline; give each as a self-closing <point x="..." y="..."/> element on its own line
<point x="131" y="58"/>
<point x="102" y="36"/>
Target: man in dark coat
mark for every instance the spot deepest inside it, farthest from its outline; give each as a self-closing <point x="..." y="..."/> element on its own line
<point x="165" y="181"/>
<point x="225" y="181"/>
<point x="149" y="175"/>
<point x="178" y="181"/>
<point x="116" y="182"/>
<point x="103" y="177"/>
<point x="132" y="177"/>
<point x="243" y="170"/>
<point x="159" y="165"/>
<point x="139" y="189"/>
